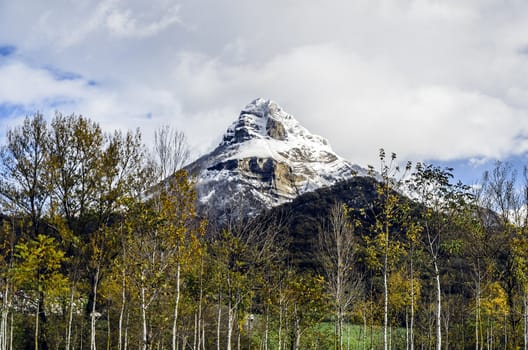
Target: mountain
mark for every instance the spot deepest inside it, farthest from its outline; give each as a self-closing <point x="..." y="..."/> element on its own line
<point x="303" y="217"/>
<point x="266" y="158"/>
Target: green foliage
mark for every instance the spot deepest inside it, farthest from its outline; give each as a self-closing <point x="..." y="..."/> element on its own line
<point x="39" y="263"/>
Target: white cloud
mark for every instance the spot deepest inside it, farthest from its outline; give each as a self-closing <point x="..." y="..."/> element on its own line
<point x="363" y="105"/>
<point x="65" y="24"/>
<point x="424" y="78"/>
<point x="21" y="84"/>
<point x="123" y="23"/>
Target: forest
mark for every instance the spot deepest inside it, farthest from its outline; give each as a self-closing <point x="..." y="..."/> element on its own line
<point x="102" y="247"/>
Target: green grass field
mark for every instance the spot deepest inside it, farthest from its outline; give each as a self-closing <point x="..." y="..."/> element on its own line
<point x="356" y="337"/>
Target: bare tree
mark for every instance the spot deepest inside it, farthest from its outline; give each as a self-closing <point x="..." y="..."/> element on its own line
<point x="337" y="256"/>
<point x="171" y="150"/>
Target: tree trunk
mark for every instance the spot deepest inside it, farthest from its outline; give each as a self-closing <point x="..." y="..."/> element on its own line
<point x="230" y="321"/>
<point x="385" y="292"/>
<point x="407" y="342"/>
<point x="341" y="316"/>
<point x="218" y="321"/>
<point x="70" y="319"/>
<point x="411" y="330"/>
<point x="279" y="332"/>
<point x="297" y="327"/>
<point x="200" y="301"/>
<point x="122" y="312"/>
<point x="144" y="334"/>
<point x="93" y="314"/>
<point x="203" y="335"/>
<point x="11" y="330"/>
<point x="108" y="331"/>
<point x="41" y="320"/>
<point x="37" y="326"/>
<point x="266" y="329"/>
<point x="525" y="320"/>
<point x="176" y="306"/>
<point x="438" y="308"/>
<point x="125" y="340"/>
<point x="5" y="317"/>
<point x="364" y="330"/>
<point x="477" y="315"/>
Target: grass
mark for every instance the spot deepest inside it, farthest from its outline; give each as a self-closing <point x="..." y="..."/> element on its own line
<point x="356" y="337"/>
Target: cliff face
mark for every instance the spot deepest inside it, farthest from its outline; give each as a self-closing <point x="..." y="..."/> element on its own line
<point x="266" y="158"/>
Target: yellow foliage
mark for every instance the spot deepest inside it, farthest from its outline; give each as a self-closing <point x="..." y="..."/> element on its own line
<point x="494" y="301"/>
<point x="400" y="291"/>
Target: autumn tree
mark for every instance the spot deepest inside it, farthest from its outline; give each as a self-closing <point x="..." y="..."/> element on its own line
<point x="38" y="273"/>
<point x="307" y="305"/>
<point x="337" y="253"/>
<point x="388" y="216"/>
<point x="443" y="202"/>
<point x="24" y="170"/>
<point x="162" y="241"/>
<point x="7" y="283"/>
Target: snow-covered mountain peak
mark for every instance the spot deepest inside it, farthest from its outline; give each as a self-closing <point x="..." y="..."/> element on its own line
<point x="266" y="158"/>
<point x="265" y="119"/>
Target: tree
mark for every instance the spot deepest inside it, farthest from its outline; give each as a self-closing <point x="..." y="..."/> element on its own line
<point x="443" y="202"/>
<point x="162" y="242"/>
<point x="504" y="220"/>
<point x="90" y="175"/>
<point x="7" y="285"/>
<point x="307" y="303"/>
<point x="170" y="150"/>
<point x="38" y="271"/>
<point x="76" y="148"/>
<point x="337" y="253"/>
<point x="23" y="169"/>
<point x="388" y="216"/>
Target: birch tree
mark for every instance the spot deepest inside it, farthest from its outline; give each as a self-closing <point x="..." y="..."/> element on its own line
<point x="443" y="202"/>
<point x="387" y="214"/>
<point x="503" y="200"/>
<point x="337" y="253"/>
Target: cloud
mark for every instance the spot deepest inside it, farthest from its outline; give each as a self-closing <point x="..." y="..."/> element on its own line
<point x="22" y="84"/>
<point x="362" y="105"/>
<point x="425" y="79"/>
<point x="124" y="24"/>
<point x="64" y="24"/>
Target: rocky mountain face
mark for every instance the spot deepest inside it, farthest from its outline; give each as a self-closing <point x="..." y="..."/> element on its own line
<point x="266" y="158"/>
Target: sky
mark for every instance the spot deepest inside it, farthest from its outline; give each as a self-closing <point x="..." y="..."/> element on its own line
<point x="431" y="80"/>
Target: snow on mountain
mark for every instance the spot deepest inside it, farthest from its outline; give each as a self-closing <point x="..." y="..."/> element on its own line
<point x="266" y="158"/>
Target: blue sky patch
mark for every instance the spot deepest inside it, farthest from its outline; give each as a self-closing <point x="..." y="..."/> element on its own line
<point x="10" y="109"/>
<point x="7" y="50"/>
<point x="471" y="171"/>
<point x="60" y="74"/>
<point x="58" y="102"/>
